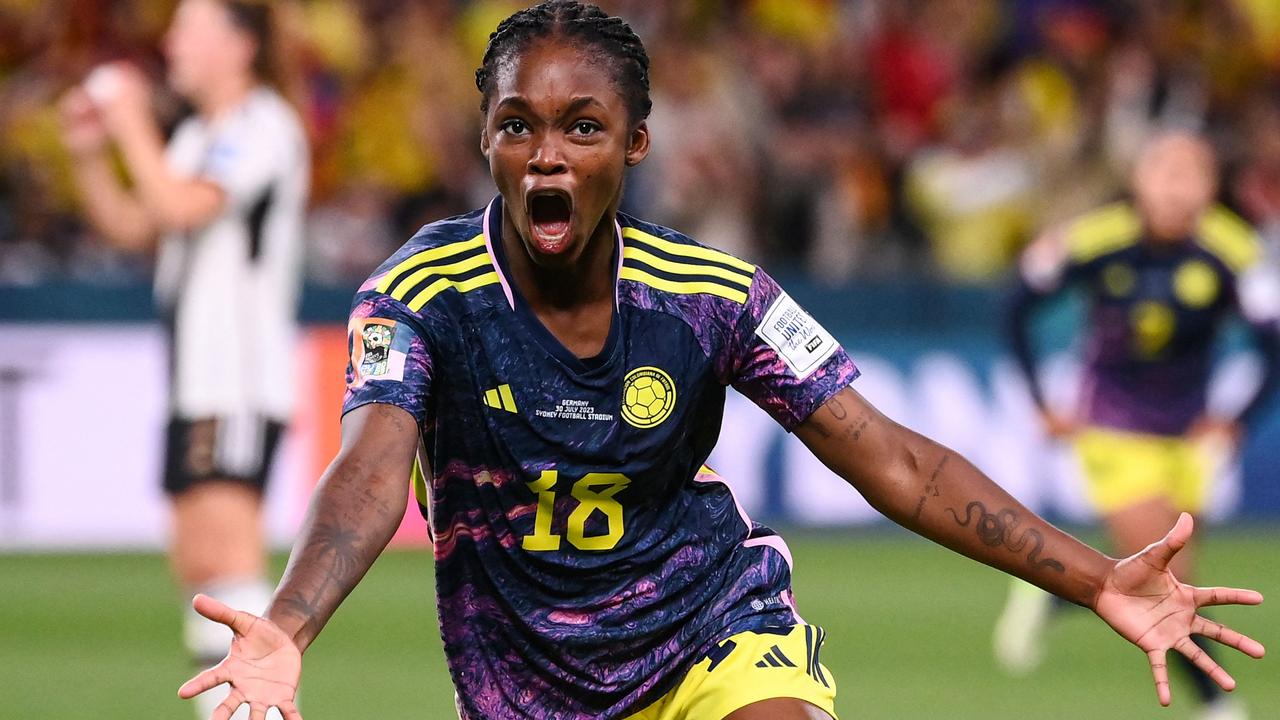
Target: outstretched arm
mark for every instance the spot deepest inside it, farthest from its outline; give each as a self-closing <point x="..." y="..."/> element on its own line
<point x="933" y="491"/>
<point x="354" y="512"/>
<point x="357" y="507"/>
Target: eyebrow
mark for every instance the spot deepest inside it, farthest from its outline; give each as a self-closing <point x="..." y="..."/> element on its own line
<point x="518" y="102"/>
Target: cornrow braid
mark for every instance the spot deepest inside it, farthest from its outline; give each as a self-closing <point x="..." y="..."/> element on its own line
<point x="571" y="19"/>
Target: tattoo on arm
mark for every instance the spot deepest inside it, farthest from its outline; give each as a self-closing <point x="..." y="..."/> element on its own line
<point x="847" y="430"/>
<point x="335" y="544"/>
<point x="931" y="487"/>
<point x="998" y="529"/>
<point x="837" y="409"/>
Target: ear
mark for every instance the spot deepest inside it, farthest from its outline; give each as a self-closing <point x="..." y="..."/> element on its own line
<point x="484" y="141"/>
<point x="638" y="145"/>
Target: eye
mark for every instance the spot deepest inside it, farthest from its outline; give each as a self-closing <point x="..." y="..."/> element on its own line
<point x="514" y="126"/>
<point x="585" y="127"/>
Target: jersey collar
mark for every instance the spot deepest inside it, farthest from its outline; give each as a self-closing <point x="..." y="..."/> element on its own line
<point x="492" y="229"/>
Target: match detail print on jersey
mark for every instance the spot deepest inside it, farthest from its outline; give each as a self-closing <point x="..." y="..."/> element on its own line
<point x="798" y="339"/>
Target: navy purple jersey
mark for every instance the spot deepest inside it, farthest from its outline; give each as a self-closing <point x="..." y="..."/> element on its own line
<point x="1154" y="309"/>
<point x="585" y="556"/>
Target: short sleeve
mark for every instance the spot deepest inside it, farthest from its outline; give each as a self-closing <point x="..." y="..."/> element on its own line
<point x="388" y="361"/>
<point x="783" y="359"/>
<point x="1258" y="293"/>
<point x="244" y="161"/>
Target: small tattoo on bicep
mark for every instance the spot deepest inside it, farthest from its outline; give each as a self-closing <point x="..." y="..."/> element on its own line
<point x="931" y="487"/>
<point x="998" y="529"/>
<point x="836" y="408"/>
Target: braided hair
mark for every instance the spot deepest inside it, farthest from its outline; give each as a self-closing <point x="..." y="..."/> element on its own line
<point x="585" y="23"/>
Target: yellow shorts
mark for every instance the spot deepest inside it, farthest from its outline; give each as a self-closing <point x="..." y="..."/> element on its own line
<point x="747" y="668"/>
<point x="1125" y="468"/>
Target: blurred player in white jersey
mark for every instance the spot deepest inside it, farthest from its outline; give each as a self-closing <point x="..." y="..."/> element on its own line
<point x="224" y="206"/>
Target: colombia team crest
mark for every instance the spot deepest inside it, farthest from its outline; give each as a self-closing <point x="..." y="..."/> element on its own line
<point x="648" y="397"/>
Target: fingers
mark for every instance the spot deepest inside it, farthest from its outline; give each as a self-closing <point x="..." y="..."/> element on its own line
<point x="289" y="711"/>
<point x="206" y="680"/>
<point x="1207" y="665"/>
<point x="1227" y="636"/>
<point x="1159" y="554"/>
<point x="257" y="711"/>
<point x="217" y="611"/>
<point x="1226" y="596"/>
<point x="228" y="707"/>
<point x="1160" y="673"/>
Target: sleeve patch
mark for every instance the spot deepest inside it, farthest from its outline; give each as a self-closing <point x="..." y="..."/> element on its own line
<point x="378" y="350"/>
<point x="799" y="340"/>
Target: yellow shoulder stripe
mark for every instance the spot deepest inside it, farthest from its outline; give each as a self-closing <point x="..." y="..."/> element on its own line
<point x="427" y="256"/>
<point x="684" y="288"/>
<point x="1230" y="238"/>
<point x="689" y="251"/>
<point x="633" y="252"/>
<point x="443" y="284"/>
<point x="413" y="279"/>
<point x="1104" y="231"/>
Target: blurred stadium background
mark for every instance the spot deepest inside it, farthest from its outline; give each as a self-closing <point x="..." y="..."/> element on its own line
<point x="885" y="158"/>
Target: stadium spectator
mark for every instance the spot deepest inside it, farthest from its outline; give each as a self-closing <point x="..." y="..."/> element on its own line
<point x="880" y="85"/>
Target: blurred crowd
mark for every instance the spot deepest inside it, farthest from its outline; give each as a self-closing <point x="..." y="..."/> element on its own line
<point x="849" y="138"/>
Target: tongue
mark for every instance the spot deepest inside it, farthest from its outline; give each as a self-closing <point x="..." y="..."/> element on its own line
<point x="550" y="216"/>
<point x="551" y="228"/>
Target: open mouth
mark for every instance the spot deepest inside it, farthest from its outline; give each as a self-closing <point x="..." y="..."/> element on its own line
<point x="550" y="213"/>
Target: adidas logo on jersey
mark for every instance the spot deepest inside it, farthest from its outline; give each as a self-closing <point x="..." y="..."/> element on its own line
<point x="775" y="658"/>
<point x="500" y="398"/>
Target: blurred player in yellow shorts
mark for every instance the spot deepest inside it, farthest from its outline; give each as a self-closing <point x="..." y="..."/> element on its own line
<point x="1162" y="273"/>
<point x="1127" y="469"/>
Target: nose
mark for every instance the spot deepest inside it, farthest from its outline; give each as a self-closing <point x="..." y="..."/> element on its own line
<point x="548" y="159"/>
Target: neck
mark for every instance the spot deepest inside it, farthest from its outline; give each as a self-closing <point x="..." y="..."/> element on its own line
<point x="580" y="280"/>
<point x="220" y="97"/>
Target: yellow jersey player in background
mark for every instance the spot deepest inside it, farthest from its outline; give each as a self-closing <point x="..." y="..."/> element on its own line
<point x="1163" y="273"/>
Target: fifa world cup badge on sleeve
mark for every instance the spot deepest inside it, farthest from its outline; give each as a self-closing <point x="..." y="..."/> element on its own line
<point x="378" y="350"/>
<point x="798" y="339"/>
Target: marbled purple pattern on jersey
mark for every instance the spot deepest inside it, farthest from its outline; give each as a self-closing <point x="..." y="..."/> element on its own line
<point x="741" y="358"/>
<point x="620" y="639"/>
<point x="557" y="629"/>
<point x="1137" y="379"/>
<point x="413" y="389"/>
<point x="1162" y="396"/>
<point x="760" y="374"/>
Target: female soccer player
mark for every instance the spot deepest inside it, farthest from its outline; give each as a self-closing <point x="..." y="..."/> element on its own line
<point x="1163" y="273"/>
<point x="225" y="202"/>
<point x="563" y="368"/>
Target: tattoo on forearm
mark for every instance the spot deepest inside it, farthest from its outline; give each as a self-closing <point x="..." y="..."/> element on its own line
<point x="931" y="487"/>
<point x="334" y="543"/>
<point x="998" y="529"/>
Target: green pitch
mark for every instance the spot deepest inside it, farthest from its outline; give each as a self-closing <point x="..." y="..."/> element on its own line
<point x="93" y="636"/>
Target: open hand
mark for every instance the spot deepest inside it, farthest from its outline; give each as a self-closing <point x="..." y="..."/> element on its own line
<point x="263" y="665"/>
<point x="1143" y="602"/>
